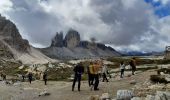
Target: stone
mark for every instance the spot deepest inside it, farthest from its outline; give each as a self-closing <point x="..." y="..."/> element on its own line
<point x="136" y="98"/>
<point x="17" y="84"/>
<point x="124" y="94"/>
<point x="44" y="93"/>
<point x="157" y="87"/>
<point x="105" y="96"/>
<point x="133" y="82"/>
<point x="94" y="97"/>
<point x="150" y="97"/>
<point x="167" y="78"/>
<point x="162" y="95"/>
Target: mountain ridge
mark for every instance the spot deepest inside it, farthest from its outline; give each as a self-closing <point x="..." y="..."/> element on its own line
<point x="71" y="47"/>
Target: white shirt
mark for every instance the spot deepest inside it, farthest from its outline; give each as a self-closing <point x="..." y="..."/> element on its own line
<point x="122" y="66"/>
<point x="104" y="69"/>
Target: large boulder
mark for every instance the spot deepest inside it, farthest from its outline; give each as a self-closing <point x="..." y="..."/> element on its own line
<point x="159" y="96"/>
<point x="124" y="94"/>
<point x="72" y="39"/>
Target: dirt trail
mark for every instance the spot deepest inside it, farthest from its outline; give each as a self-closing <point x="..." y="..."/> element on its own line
<point x="62" y="90"/>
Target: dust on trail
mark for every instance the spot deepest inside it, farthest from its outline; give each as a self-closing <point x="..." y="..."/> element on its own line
<point x="62" y="90"/>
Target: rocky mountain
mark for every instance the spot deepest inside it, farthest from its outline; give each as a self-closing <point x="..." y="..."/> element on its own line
<point x="13" y="46"/>
<point x="71" y="47"/>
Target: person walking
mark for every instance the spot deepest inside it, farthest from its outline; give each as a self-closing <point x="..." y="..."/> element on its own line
<point x="30" y="77"/>
<point x="78" y="71"/>
<point x="23" y="77"/>
<point x="90" y="74"/>
<point x="133" y="65"/>
<point x="104" y="73"/>
<point x="96" y="67"/>
<point x="45" y="78"/>
<point x="122" y="69"/>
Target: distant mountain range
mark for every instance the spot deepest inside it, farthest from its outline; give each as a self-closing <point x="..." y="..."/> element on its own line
<point x="138" y="53"/>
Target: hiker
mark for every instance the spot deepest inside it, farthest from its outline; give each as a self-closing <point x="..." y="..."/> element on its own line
<point x="45" y="78"/>
<point x="23" y="77"/>
<point x="30" y="77"/>
<point x="96" y="68"/>
<point x="133" y="65"/>
<point x="3" y="76"/>
<point x="90" y="74"/>
<point x="104" y="73"/>
<point x="122" y="69"/>
<point x="78" y="70"/>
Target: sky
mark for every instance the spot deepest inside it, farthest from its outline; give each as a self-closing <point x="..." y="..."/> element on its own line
<point x="126" y="25"/>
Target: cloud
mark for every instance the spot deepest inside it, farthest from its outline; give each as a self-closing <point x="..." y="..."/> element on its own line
<point x="124" y="24"/>
<point x="5" y="6"/>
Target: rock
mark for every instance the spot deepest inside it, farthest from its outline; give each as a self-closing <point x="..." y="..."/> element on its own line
<point x="136" y="98"/>
<point x="44" y="93"/>
<point x="17" y="84"/>
<point x="150" y="97"/>
<point x="94" y="97"/>
<point x="72" y="39"/>
<point x="133" y="82"/>
<point x="168" y="86"/>
<point x="159" y="96"/>
<point x="124" y="94"/>
<point x="7" y="82"/>
<point x="162" y="73"/>
<point x="105" y="96"/>
<point x="162" y="95"/>
<point x="167" y="78"/>
<point x="57" y="41"/>
<point x="157" y="87"/>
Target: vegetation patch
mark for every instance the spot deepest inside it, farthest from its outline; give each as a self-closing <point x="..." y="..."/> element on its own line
<point x="158" y="79"/>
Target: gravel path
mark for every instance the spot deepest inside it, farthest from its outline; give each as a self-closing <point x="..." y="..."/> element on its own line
<point x="62" y="90"/>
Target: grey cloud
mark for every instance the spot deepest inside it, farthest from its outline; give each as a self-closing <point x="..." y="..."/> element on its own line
<point x="113" y="22"/>
<point x="134" y="22"/>
<point x="38" y="25"/>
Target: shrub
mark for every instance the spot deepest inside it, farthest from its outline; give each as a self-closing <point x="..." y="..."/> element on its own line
<point x="158" y="79"/>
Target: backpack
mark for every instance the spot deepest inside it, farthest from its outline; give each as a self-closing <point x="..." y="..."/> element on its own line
<point x="91" y="69"/>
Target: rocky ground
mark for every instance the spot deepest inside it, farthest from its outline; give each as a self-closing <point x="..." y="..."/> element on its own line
<point x="58" y="90"/>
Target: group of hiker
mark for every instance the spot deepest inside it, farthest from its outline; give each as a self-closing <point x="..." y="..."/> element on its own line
<point x="132" y="64"/>
<point x="95" y="70"/>
<point x="29" y="76"/>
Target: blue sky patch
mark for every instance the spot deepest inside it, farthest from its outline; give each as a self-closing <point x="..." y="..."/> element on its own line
<point x="160" y="9"/>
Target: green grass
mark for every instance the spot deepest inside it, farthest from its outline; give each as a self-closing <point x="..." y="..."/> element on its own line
<point x="139" y="61"/>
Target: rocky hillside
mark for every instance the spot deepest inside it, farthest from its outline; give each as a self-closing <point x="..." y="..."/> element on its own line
<point x="71" y="47"/>
<point x="13" y="46"/>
